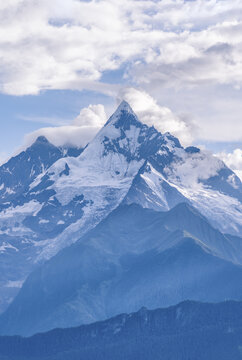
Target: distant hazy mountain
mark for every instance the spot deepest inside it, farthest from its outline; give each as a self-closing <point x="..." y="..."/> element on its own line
<point x="52" y="197"/>
<point x="135" y="257"/>
<point x="187" y="331"/>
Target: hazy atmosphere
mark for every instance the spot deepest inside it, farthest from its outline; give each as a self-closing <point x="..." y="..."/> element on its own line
<point x="120" y="179"/>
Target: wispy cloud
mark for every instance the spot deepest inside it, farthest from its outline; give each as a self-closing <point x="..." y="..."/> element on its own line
<point x="44" y="120"/>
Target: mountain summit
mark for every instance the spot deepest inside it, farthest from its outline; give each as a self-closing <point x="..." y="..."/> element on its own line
<point x="124" y="116"/>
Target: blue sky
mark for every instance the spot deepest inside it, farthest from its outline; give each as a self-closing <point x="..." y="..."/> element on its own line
<point x="67" y="63"/>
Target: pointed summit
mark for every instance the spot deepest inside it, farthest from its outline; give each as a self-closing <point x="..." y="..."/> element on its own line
<point x="124" y="106"/>
<point x="39" y="141"/>
<point x="124" y="117"/>
<point x="42" y="142"/>
<point x="42" y="139"/>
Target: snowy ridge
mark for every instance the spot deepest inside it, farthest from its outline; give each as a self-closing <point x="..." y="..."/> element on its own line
<point x="186" y="178"/>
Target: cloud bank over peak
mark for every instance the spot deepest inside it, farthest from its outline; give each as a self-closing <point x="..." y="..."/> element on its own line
<point x="92" y="118"/>
<point x="161" y="117"/>
<point x="233" y="160"/>
<point x="78" y="134"/>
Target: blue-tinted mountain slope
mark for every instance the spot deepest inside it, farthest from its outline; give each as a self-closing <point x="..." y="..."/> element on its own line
<point x="136" y="257"/>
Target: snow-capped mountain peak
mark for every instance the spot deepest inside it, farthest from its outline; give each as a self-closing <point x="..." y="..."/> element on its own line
<point x="124" y="116"/>
<point x="61" y="197"/>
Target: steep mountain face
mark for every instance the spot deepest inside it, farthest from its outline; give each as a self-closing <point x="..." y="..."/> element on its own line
<point x="175" y="174"/>
<point x="17" y="243"/>
<point x="187" y="331"/>
<point x="135" y="257"/>
<point x="61" y="197"/>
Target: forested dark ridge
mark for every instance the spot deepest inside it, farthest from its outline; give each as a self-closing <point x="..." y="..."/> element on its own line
<point x="188" y="331"/>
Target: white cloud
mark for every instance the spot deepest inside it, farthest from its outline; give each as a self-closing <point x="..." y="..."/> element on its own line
<point x="68" y="44"/>
<point x="94" y="115"/>
<point x="192" y="168"/>
<point x="78" y="134"/>
<point x="161" y="117"/>
<point x="233" y="160"/>
<point x="215" y="110"/>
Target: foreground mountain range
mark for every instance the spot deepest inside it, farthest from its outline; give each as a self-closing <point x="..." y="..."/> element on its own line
<point x="187" y="331"/>
<point x="151" y="224"/>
